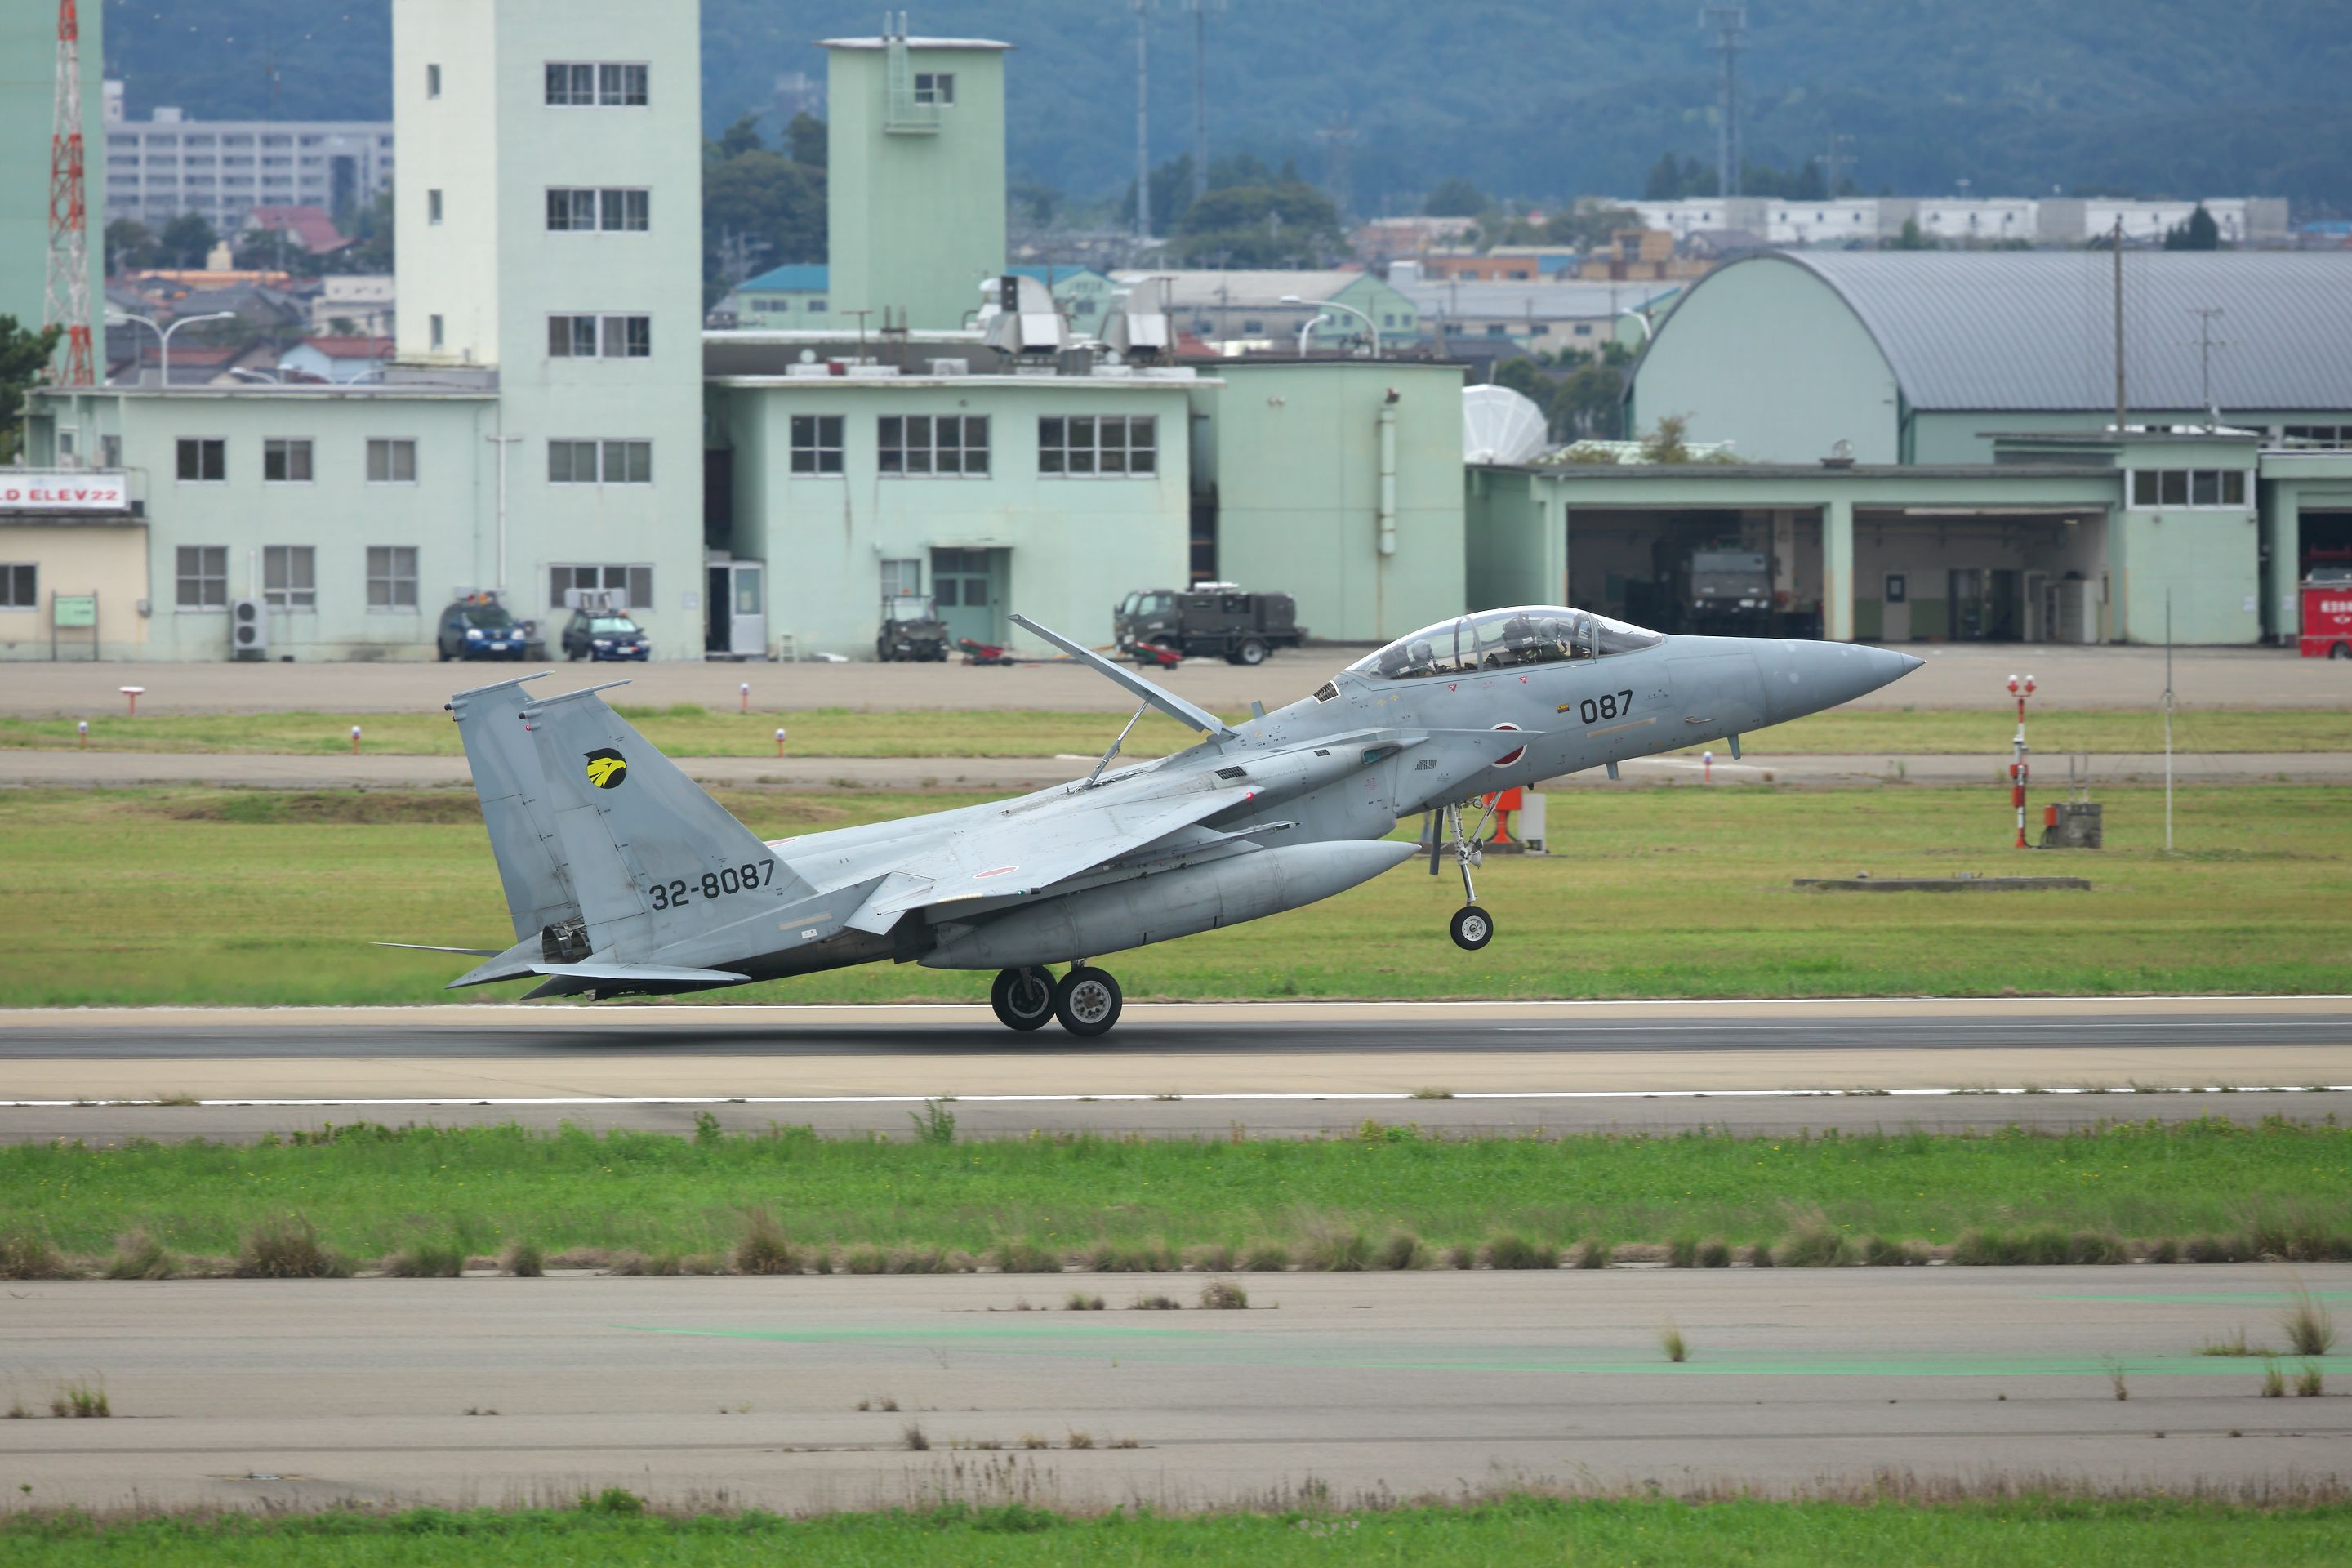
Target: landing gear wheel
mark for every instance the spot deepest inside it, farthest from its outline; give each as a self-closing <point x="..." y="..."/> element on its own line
<point x="1088" y="1001"/>
<point x="1472" y="928"/>
<point x="1250" y="652"/>
<point x="1023" y="998"/>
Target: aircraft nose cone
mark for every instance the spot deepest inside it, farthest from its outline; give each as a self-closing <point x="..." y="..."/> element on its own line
<point x="1802" y="677"/>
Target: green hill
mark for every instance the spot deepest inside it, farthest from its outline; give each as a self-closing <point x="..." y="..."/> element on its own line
<point x="1534" y="100"/>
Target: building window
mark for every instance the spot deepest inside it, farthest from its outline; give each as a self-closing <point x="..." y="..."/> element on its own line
<point x="943" y="445"/>
<point x="203" y="574"/>
<point x="432" y="81"/>
<point x="621" y="86"/>
<point x="934" y="86"/>
<point x="1253" y="325"/>
<point x="816" y="443"/>
<point x="636" y="582"/>
<point x="600" y="462"/>
<point x="290" y="577"/>
<point x="204" y="460"/>
<point x="390" y="461"/>
<point x="816" y="307"/>
<point x="20" y="586"/>
<point x="109" y="451"/>
<point x="391" y="577"/>
<point x="433" y="330"/>
<point x="572" y="84"/>
<point x="571" y="211"/>
<point x="2186" y="489"/>
<point x="595" y="337"/>
<point x="432" y="207"/>
<point x="901" y="579"/>
<point x="285" y="462"/>
<point x="1098" y="444"/>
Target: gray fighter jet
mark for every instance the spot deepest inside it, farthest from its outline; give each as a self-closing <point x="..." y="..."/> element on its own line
<point x="623" y="877"/>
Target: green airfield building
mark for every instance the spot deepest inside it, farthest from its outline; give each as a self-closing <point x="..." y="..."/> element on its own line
<point x="1924" y="447"/>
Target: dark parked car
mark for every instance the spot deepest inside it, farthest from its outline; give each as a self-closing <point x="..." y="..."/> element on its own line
<point x="600" y="634"/>
<point x="481" y="627"/>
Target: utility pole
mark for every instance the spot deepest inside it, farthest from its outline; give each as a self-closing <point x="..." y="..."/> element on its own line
<point x="2118" y="240"/>
<point x="1201" y="9"/>
<point x="2168" y="720"/>
<point x="1834" y="162"/>
<point x="1142" y="132"/>
<point x="1729" y="23"/>
<point x="2206" y="344"/>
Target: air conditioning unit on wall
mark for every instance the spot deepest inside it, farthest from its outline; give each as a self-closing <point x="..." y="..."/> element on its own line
<point x="249" y="629"/>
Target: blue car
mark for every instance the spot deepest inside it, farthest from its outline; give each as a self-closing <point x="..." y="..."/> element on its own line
<point x="480" y="628"/>
<point x="601" y="635"/>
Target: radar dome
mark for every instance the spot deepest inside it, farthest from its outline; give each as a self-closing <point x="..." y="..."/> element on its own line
<point x="1499" y="426"/>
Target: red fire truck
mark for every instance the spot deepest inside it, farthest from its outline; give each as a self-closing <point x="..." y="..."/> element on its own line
<point x="2328" y="613"/>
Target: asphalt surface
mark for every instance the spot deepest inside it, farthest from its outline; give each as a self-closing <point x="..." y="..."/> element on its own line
<point x="1954" y="676"/>
<point x="265" y="1394"/>
<point x="123" y="770"/>
<point x="1178" y="1069"/>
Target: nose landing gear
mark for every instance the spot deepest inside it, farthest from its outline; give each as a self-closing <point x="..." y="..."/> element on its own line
<point x="1472" y="927"/>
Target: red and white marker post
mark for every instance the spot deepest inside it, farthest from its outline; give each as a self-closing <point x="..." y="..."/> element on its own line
<point x="743" y="692"/>
<point x="2021" y="772"/>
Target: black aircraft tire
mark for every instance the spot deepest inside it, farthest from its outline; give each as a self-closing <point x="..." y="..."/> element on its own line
<point x="1087" y="1002"/>
<point x="1031" y="1010"/>
<point x="1472" y="928"/>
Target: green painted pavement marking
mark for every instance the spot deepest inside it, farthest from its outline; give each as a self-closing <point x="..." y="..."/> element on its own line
<point x="2203" y="1298"/>
<point x="1194" y="1346"/>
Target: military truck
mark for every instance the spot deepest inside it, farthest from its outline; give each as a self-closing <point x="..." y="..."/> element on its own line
<point x="911" y="630"/>
<point x="1208" y="619"/>
<point x="1731" y="589"/>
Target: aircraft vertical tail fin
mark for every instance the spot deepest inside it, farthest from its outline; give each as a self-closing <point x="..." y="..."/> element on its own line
<point x="515" y="806"/>
<point x="654" y="861"/>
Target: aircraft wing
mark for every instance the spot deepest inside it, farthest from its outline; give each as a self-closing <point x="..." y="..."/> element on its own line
<point x="1031" y="850"/>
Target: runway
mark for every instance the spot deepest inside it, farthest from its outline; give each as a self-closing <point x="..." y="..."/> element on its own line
<point x="253" y="1394"/>
<point x="1181" y="1069"/>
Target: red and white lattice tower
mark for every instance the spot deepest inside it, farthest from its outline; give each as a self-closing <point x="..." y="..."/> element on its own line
<point x="67" y="296"/>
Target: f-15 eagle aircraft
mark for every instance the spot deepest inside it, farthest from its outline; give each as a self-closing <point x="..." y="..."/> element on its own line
<point x="623" y="877"/>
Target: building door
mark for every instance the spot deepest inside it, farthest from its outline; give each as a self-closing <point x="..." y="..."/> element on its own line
<point x="969" y="585"/>
<point x="735" y="624"/>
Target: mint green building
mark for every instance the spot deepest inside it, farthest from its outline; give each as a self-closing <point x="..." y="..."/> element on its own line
<point x="915" y="185"/>
<point x="1928" y="445"/>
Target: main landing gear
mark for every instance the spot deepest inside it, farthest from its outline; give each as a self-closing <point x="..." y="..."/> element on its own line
<point x="1088" y="1001"/>
<point x="1472" y="927"/>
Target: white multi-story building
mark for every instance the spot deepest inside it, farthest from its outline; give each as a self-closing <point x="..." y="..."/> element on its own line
<point x="221" y="170"/>
<point x="1960" y="220"/>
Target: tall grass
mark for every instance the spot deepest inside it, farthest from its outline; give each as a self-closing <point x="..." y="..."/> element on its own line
<point x="788" y="1199"/>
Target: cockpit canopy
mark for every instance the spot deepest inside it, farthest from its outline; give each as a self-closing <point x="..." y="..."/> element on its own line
<point x="1496" y="639"/>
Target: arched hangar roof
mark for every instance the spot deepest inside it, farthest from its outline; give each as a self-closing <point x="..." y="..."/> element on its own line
<point x="2013" y="330"/>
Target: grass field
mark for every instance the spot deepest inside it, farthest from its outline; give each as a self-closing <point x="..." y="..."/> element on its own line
<point x="686" y="729"/>
<point x="2026" y="1532"/>
<point x="1384" y="1197"/>
<point x="208" y="896"/>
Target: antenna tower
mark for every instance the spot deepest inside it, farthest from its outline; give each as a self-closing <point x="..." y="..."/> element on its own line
<point x="1731" y="25"/>
<point x="67" y="301"/>
<point x="1338" y="140"/>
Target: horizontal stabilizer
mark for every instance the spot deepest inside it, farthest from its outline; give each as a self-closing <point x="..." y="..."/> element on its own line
<point x="428" y="947"/>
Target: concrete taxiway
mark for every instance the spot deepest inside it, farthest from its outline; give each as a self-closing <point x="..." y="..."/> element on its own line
<point x="300" y="1393"/>
<point x="1183" y="1070"/>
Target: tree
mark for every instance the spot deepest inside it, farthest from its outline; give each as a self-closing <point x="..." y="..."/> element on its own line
<point x="1171" y="196"/>
<point x="186" y="241"/>
<point x="767" y="207"/>
<point x="2200" y="233"/>
<point x="1284" y="223"/>
<point x="1666" y="444"/>
<point x="24" y="357"/>
<point x="804" y="140"/>
<point x="1911" y="238"/>
<point x="1589" y="225"/>
<point x="1665" y="180"/>
<point x="742" y="137"/>
<point x="1454" y="197"/>
<point x="371" y="250"/>
<point x="130" y="246"/>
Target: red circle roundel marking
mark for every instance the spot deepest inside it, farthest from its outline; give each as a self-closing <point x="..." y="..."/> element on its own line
<point x="1506" y="759"/>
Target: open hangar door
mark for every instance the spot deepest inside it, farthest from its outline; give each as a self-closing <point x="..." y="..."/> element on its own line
<point x="1716" y="572"/>
<point x="1959" y="575"/>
